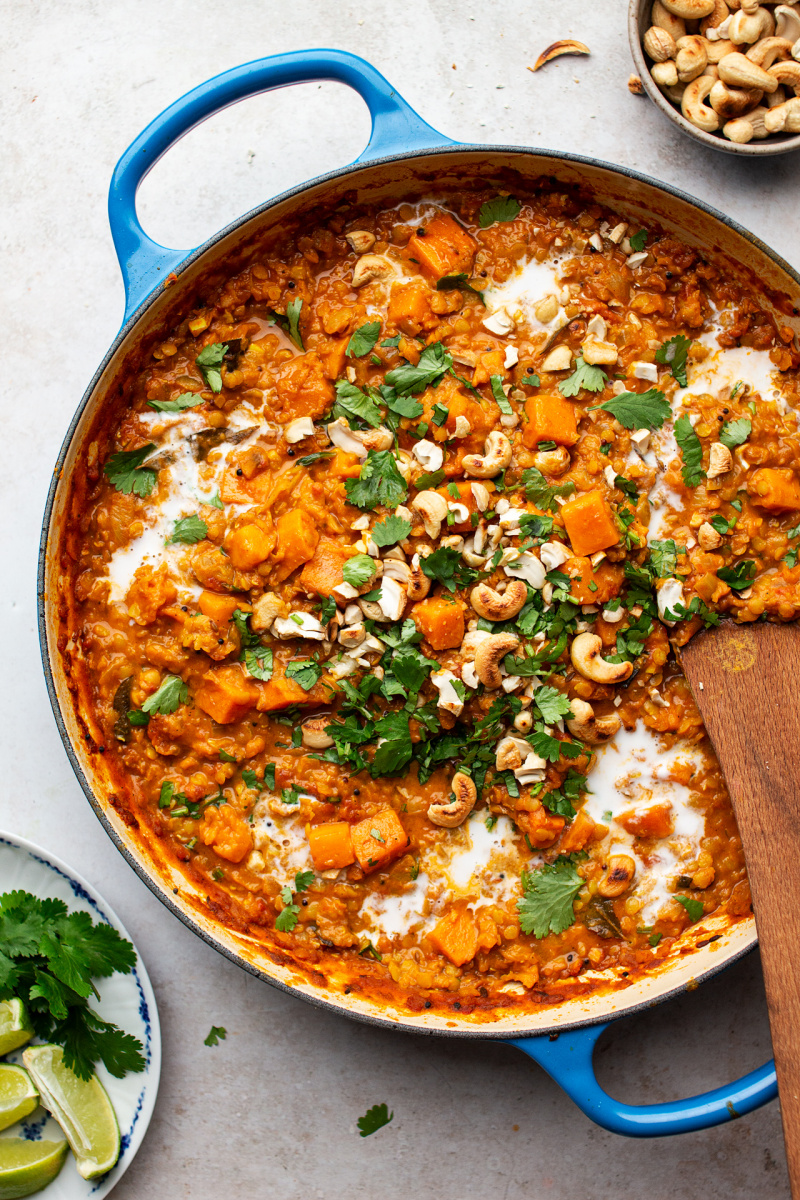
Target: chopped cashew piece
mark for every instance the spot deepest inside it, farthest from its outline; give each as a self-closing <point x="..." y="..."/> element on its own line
<point x="670" y="594"/>
<point x="371" y="266"/>
<point x="303" y="427"/>
<point x="554" y="555"/>
<point x="619" y="874"/>
<point x="526" y="566"/>
<point x="451" y="815"/>
<point x="433" y="509"/>
<point x="510" y="753"/>
<point x="449" y="698"/>
<point x="392" y="598"/>
<point x="360" y="240"/>
<point x="708" y="537"/>
<point x="596" y="352"/>
<point x="720" y="460"/>
<point x="499" y="322"/>
<point x="586" y="727"/>
<point x="265" y="609"/>
<point x="314" y="735"/>
<point x="585" y="653"/>
<point x="299" y="624"/>
<point x="428" y="454"/>
<point x="559" y="359"/>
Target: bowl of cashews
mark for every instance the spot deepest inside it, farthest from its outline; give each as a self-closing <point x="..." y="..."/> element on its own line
<point x="727" y="72"/>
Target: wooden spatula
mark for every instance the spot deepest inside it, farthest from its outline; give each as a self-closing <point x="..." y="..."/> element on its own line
<point x="746" y="682"/>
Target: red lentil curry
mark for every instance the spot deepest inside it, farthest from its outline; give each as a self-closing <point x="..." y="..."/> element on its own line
<point x="373" y="581"/>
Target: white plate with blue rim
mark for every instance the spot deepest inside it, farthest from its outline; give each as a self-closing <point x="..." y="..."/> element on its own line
<point x="125" y="1000"/>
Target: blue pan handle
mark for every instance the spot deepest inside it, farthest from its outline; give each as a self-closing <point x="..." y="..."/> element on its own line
<point x="568" y="1059"/>
<point x="395" y="128"/>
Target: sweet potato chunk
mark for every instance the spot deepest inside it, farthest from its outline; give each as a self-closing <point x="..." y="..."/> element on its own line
<point x="220" y="608"/>
<point x="409" y="308"/>
<point x="149" y="591"/>
<point x="456" y="936"/>
<point x="331" y="845"/>
<point x="606" y="577"/>
<point x="655" y="821"/>
<point x="551" y="418"/>
<point x="379" y="839"/>
<point x="589" y="523"/>
<point x="324" y="572"/>
<point x="226" y="694"/>
<point x="440" y="619"/>
<point x="491" y="362"/>
<point x="332" y="355"/>
<point x="346" y="466"/>
<point x="281" y="693"/>
<point x="775" y="488"/>
<point x="227" y="832"/>
<point x="442" y="247"/>
<point x="578" y="834"/>
<point x="248" y="546"/>
<point x="303" y="387"/>
<point x="297" y="540"/>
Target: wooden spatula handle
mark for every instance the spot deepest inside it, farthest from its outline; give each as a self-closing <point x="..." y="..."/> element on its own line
<point x="746" y="681"/>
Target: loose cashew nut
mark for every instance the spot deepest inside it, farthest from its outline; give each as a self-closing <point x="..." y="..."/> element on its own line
<point x="770" y="49"/>
<point x="694" y="108"/>
<point x="490" y="653"/>
<point x="737" y="69"/>
<point x="265" y="609"/>
<point x="662" y="18"/>
<point x="720" y="460"/>
<point x="729" y="102"/>
<point x="659" y="45"/>
<point x="748" y="27"/>
<point x="451" y="815"/>
<point x="586" y="727"/>
<point x="751" y="125"/>
<point x="360" y="240"/>
<point x="495" y="606"/>
<point x="314" y="735"/>
<point x="787" y="73"/>
<point x="585" y="653"/>
<point x="495" y="458"/>
<point x="510" y="753"/>
<point x="369" y="267"/>
<point x="552" y="462"/>
<point x="619" y="873"/>
<point x="708" y="537"/>
<point x="418" y="582"/>
<point x="719" y="13"/>
<point x="433" y="509"/>
<point x="787" y="23"/>
<point x="689" y="10"/>
<point x="691" y="59"/>
<point x="785" y="118"/>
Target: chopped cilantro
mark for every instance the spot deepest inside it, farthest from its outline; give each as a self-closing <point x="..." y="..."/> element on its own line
<point x="586" y="377"/>
<point x="549" y="896"/>
<point x="664" y="557"/>
<point x="674" y="353"/>
<point x="352" y="402"/>
<point x="448" y="567"/>
<point x="691" y="452"/>
<point x="126" y="474"/>
<point x="638" y="410"/>
<point x="363" y="340"/>
<point x="218" y="1034"/>
<point x="390" y="531"/>
<point x="740" y="576"/>
<point x="358" y="570"/>
<point x="374" y="1119"/>
<point x="172" y="692"/>
<point x="693" y="907"/>
<point x="185" y="400"/>
<point x="542" y="493"/>
<point x="638" y="240"/>
<point x="552" y="704"/>
<point x="304" y="671"/>
<point x="459" y="283"/>
<point x="501" y="208"/>
<point x="379" y="482"/>
<point x="502" y="400"/>
<point x="209" y="360"/>
<point x="734" y="433"/>
<point x="188" y="530"/>
<point x="408" y="379"/>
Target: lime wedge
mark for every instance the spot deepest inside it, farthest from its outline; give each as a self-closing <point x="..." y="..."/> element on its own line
<point x="15" y="1028"/>
<point x="18" y="1096"/>
<point x="27" y="1167"/>
<point x="82" y="1109"/>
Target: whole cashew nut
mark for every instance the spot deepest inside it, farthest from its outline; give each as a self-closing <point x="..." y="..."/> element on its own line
<point x="751" y="27"/>
<point x="787" y="73"/>
<point x="729" y="102"/>
<point x="419" y="583"/>
<point x="369" y="267"/>
<point x="314" y="735"/>
<point x="787" y="23"/>
<point x="495" y="606"/>
<point x="751" y="125"/>
<point x="737" y="69"/>
<point x="586" y="727"/>
<point x="665" y="74"/>
<point x="451" y="815"/>
<point x="785" y="118"/>
<point x="433" y="509"/>
<point x="552" y="462"/>
<point x="490" y="653"/>
<point x="619" y="874"/>
<point x="689" y="10"/>
<point x="585" y="653"/>
<point x="691" y="59"/>
<point x="659" y="45"/>
<point x="715" y="19"/>
<point x="510" y="753"/>
<point x="495" y="458"/>
<point x="693" y="106"/>
<point x="767" y="51"/>
<point x="662" y="18"/>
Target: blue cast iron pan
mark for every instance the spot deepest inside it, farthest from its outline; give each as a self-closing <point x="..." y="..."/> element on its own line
<point x="561" y="1040"/>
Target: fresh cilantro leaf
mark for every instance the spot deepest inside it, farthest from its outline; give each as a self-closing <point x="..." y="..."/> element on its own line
<point x="188" y="531"/>
<point x="308" y="459"/>
<point x="242" y="622"/>
<point x="430" y="480"/>
<point x="225" y="757"/>
<point x="552" y="748"/>
<point x="287" y="917"/>
<point x="540" y="492"/>
<point x="638" y="240"/>
<point x="209" y="360"/>
<point x="87" y="1039"/>
<point x="694" y="908"/>
<point x="536" y="527"/>
<point x="691" y="452"/>
<point x="664" y="557"/>
<point x="363" y="340"/>
<point x="258" y="662"/>
<point x="734" y="433"/>
<point x="218" y="1034"/>
<point x="402" y="406"/>
<point x="552" y="704"/>
<point x="213" y="501"/>
<point x="172" y="692"/>
<point x="459" y="283"/>
<point x="303" y="880"/>
<point x="439" y="415"/>
<point x="126" y="474"/>
<point x="408" y="379"/>
<point x="354" y="403"/>
<point x="790" y="558"/>
<point x="638" y="410"/>
<point x="627" y="486"/>
<point x="740" y="576"/>
<point x="390" y="531"/>
<point x="379" y="482"/>
<point x="293" y="309"/>
<point x="304" y="671"/>
<point x="723" y="526"/>
<point x="410" y="668"/>
<point x="395" y="748"/>
<point x="503" y="403"/>
<point x="186" y="400"/>
<point x="549" y="896"/>
<point x="374" y="1119"/>
<point x="359" y="569"/>
<point x="251" y="780"/>
<point x="586" y="377"/>
<point x="501" y="208"/>
<point x="392" y="343"/>
<point x="674" y="353"/>
<point x="448" y="567"/>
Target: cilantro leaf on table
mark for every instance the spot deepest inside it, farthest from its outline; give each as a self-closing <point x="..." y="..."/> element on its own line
<point x="448" y="567"/>
<point x="549" y="895"/>
<point x="358" y="569"/>
<point x="501" y="208"/>
<point x="352" y="402"/>
<point x="694" y="908"/>
<point x="374" y="1119"/>
<point x="501" y="399"/>
<point x="188" y="531"/>
<point x="638" y="410"/>
<point x="664" y="557"/>
<point x="740" y="576"/>
<point x="674" y="354"/>
<point x="390" y="531"/>
<point x="735" y="433"/>
<point x="172" y="692"/>
<point x="638" y="240"/>
<point x="217" y="1034"/>
<point x="552" y="704"/>
<point x="586" y="377"/>
<point x="434" y="362"/>
<point x="363" y="340"/>
<point x="186" y="400"/>
<point x="459" y="283"/>
<point x="209" y="360"/>
<point x="691" y="452"/>
<point x="304" y="671"/>
<point x="126" y="474"/>
<point x="542" y="493"/>
<point x="379" y="482"/>
<point x="49" y="958"/>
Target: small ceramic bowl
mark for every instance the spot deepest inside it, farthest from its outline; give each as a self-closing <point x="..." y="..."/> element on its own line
<point x="638" y="24"/>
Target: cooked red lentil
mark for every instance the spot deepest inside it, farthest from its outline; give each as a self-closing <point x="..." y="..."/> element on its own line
<point x="376" y="578"/>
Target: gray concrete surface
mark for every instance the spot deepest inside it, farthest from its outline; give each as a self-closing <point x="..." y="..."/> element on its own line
<point x="271" y="1112"/>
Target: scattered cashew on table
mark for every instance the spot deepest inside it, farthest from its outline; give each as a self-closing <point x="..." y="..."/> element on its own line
<point x="732" y="66"/>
